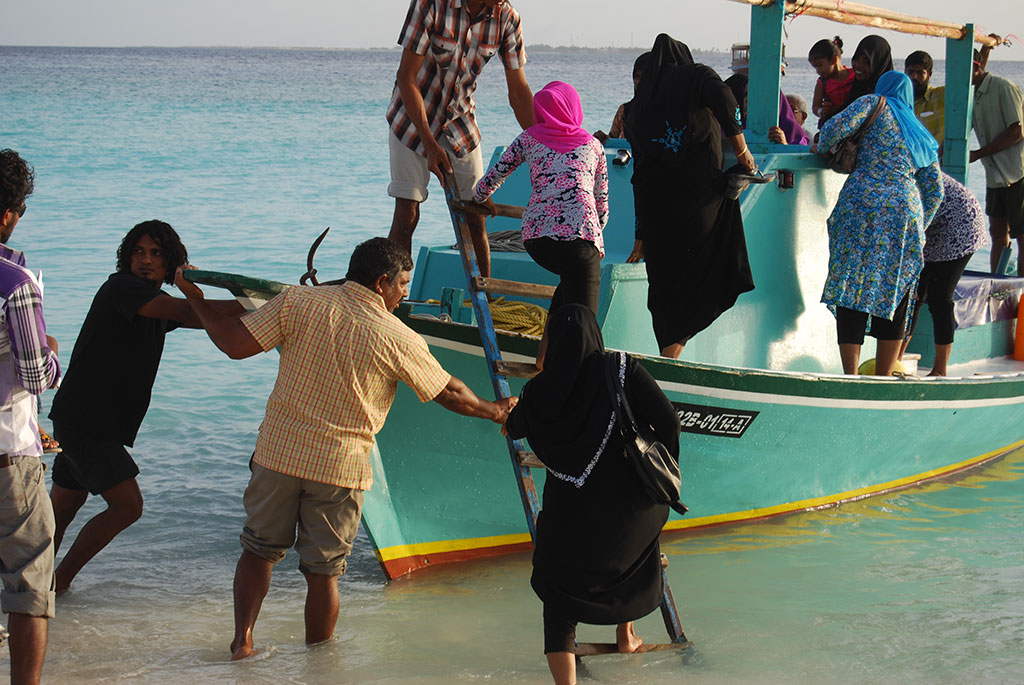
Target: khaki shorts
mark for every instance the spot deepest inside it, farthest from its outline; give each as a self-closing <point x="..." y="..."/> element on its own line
<point x="410" y="176"/>
<point x="326" y="517"/>
<point x="26" y="539"/>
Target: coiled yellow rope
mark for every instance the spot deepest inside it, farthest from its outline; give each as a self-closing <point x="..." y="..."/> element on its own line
<point x="513" y="316"/>
<point x="517" y="317"/>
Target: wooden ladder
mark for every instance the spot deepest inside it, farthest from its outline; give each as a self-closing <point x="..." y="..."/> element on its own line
<point x="524" y="460"/>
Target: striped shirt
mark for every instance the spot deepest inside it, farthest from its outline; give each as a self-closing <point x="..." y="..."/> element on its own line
<point x="342" y="355"/>
<point x="29" y="365"/>
<point x="456" y="46"/>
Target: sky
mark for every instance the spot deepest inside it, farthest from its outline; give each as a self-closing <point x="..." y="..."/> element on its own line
<point x="703" y="24"/>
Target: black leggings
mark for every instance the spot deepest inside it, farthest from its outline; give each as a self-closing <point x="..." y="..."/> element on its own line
<point x="937" y="284"/>
<point x="577" y="262"/>
<point x="850" y="324"/>
<point x="559" y="633"/>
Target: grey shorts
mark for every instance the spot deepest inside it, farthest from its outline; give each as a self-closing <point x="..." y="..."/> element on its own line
<point x="410" y="176"/>
<point x="320" y="520"/>
<point x="26" y="539"/>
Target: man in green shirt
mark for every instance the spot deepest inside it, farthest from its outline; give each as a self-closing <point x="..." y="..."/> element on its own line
<point x="996" y="120"/>
<point x="929" y="101"/>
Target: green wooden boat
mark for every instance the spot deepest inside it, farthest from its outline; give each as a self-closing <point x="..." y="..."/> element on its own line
<point x="770" y="424"/>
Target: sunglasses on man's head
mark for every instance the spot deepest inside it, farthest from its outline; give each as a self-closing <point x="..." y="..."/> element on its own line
<point x="21" y="210"/>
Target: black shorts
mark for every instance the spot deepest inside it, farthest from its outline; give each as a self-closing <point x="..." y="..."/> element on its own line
<point x="1007" y="203"/>
<point x="88" y="463"/>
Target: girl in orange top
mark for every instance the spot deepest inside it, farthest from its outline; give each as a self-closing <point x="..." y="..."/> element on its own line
<point x="834" y="80"/>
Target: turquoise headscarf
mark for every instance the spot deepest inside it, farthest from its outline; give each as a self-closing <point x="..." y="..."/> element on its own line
<point x="899" y="93"/>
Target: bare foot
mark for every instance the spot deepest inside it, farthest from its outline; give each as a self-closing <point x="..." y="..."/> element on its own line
<point x="242" y="649"/>
<point x="626" y="638"/>
<point x="936" y="373"/>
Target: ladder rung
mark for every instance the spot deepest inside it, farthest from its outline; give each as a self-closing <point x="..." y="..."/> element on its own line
<point x="515" y="369"/>
<point x="596" y="648"/>
<point x="497" y="285"/>
<point x="530" y="459"/>
<point x="511" y="211"/>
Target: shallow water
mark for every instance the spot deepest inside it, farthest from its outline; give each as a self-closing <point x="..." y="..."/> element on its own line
<point x="249" y="154"/>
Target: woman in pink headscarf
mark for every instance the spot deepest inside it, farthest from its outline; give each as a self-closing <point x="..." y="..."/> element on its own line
<point x="568" y="207"/>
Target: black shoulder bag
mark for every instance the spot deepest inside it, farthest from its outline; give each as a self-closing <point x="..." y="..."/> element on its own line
<point x="842" y="157"/>
<point x="655" y="466"/>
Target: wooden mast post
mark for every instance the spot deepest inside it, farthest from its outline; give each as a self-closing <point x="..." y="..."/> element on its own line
<point x="959" y="103"/>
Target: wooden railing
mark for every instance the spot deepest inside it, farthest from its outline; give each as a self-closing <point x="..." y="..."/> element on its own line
<point x="865" y="15"/>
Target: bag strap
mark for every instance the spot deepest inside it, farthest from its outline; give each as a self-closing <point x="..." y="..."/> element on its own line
<point x="875" y="111"/>
<point x="617" y="390"/>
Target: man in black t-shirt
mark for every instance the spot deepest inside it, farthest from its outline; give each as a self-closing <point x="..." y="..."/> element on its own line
<point x="106" y="390"/>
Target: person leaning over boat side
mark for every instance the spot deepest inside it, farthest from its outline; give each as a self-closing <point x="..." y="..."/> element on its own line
<point x="952" y="238"/>
<point x="618" y="129"/>
<point x="929" y="100"/>
<point x="312" y="459"/>
<point x="688" y="232"/>
<point x="28" y="366"/>
<point x="445" y="45"/>
<point x="596" y="554"/>
<point x="996" y="120"/>
<point x="106" y="392"/>
<point x="876" y="230"/>
<point x="563" y="224"/>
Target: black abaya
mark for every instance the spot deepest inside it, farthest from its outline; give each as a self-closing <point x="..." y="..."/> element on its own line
<point x="694" y="247"/>
<point x="596" y="554"/>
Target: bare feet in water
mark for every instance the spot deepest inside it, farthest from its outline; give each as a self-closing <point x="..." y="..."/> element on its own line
<point x="626" y="638"/>
<point x="242" y="649"/>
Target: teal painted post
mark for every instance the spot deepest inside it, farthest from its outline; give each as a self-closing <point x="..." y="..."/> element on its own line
<point x="959" y="100"/>
<point x="765" y="62"/>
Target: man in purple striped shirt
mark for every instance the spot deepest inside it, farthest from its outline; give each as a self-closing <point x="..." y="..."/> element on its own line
<point x="446" y="44"/>
<point x="28" y="366"/>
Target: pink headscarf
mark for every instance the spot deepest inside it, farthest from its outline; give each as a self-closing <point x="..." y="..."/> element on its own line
<point x="558" y="114"/>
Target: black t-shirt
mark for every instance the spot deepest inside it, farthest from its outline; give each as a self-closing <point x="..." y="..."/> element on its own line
<point x="106" y="389"/>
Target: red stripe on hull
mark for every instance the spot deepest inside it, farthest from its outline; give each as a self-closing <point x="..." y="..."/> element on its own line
<point x="393" y="568"/>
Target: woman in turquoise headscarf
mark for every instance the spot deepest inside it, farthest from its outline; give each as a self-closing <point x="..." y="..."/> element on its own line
<point x="876" y="231"/>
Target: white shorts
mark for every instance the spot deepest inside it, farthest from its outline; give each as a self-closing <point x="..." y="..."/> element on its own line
<point x="410" y="176"/>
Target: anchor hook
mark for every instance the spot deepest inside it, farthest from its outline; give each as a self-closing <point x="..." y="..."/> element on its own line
<point x="310" y="274"/>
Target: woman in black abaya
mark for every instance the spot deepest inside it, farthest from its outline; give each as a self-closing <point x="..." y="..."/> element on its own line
<point x="596" y="557"/>
<point x="689" y="232"/>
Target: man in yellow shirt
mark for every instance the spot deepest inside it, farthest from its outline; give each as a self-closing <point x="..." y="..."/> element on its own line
<point x="929" y="101"/>
<point x="342" y="354"/>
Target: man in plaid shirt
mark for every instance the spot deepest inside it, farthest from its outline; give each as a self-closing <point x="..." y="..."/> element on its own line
<point x="433" y="126"/>
<point x="28" y="366"/>
<point x="343" y="353"/>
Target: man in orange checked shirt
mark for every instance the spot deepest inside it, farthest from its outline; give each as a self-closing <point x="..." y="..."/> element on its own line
<point x="342" y="354"/>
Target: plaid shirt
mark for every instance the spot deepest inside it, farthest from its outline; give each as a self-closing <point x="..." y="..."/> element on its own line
<point x="342" y="355"/>
<point x="30" y="366"/>
<point x="456" y="47"/>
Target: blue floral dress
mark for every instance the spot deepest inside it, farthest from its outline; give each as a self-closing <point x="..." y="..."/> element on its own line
<point x="876" y="231"/>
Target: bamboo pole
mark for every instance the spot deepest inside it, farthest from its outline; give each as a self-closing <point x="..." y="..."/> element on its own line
<point x="865" y="15"/>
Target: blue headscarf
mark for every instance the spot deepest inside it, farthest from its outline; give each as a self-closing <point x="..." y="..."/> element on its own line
<point x="899" y="93"/>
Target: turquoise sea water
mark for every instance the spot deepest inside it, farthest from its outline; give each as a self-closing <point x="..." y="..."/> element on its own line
<point x="249" y="154"/>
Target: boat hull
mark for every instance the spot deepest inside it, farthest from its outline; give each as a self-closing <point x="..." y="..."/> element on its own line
<point x="755" y="444"/>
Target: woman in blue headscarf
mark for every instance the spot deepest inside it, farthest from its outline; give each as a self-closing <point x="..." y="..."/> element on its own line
<point x="876" y="231"/>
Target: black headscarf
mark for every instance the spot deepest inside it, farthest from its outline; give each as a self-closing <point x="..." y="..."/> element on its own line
<point x="879" y="55"/>
<point x="641" y="63"/>
<point x="566" y="408"/>
<point x="670" y="115"/>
